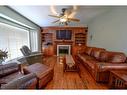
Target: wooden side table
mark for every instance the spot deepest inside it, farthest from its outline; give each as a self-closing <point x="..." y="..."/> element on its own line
<point x="118" y="79"/>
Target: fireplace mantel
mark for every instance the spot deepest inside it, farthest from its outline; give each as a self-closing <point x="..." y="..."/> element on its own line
<point x="63" y="41"/>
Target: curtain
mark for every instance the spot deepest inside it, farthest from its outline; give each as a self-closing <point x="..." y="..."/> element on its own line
<point x="33" y="40"/>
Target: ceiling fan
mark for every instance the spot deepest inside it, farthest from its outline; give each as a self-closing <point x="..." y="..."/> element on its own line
<point x="64" y="17"/>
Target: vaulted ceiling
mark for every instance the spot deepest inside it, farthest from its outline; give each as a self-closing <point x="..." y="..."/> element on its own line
<point x="39" y="14"/>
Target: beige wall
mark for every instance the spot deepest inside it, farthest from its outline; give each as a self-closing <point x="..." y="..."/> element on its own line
<point x="109" y="30"/>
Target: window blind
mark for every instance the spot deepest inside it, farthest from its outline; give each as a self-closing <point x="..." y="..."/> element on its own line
<point x="12" y="39"/>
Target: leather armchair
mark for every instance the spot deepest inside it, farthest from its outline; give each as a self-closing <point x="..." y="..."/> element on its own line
<point x="31" y="57"/>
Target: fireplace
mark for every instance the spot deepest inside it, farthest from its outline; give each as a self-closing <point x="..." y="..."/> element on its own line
<point x="63" y="49"/>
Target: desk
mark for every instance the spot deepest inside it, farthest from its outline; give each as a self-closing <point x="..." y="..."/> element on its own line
<point x="118" y="79"/>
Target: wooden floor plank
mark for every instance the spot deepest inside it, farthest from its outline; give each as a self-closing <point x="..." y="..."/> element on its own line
<point x="70" y="80"/>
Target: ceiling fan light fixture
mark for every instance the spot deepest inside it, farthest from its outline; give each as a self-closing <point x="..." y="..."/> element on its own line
<point x="66" y="16"/>
<point x="63" y="20"/>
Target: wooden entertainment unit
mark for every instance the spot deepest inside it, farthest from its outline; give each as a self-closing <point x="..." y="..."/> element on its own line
<point x="49" y="39"/>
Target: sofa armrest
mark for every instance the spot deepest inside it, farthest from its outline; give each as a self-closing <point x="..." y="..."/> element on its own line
<point x="34" y="58"/>
<point x="36" y="52"/>
<point x="34" y="55"/>
<point x="102" y="66"/>
<point x="9" y="68"/>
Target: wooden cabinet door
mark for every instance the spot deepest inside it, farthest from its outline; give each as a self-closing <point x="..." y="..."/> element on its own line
<point x="49" y="51"/>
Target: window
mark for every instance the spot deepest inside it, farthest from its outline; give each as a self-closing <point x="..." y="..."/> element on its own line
<point x="12" y="39"/>
<point x="33" y="40"/>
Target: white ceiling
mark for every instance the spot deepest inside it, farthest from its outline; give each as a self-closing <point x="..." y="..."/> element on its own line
<point x="39" y="14"/>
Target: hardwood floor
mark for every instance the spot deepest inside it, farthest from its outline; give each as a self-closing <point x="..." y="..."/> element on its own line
<point x="70" y="80"/>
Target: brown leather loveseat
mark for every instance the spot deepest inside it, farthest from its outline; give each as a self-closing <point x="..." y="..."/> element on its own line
<point x="99" y="62"/>
<point x="11" y="77"/>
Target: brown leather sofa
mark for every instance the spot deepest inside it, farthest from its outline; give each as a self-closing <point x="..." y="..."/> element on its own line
<point x="99" y="62"/>
<point x="11" y="77"/>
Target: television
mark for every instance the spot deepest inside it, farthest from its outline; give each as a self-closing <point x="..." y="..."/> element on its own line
<point x="63" y="34"/>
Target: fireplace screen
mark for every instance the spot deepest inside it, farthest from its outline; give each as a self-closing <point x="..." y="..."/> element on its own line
<point x="63" y="49"/>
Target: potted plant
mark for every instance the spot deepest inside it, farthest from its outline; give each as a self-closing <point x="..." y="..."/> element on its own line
<point x="3" y="56"/>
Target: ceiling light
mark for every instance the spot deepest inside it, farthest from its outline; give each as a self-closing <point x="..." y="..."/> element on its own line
<point x="63" y="20"/>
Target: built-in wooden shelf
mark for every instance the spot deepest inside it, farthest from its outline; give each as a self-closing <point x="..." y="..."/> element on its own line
<point x="79" y="36"/>
<point x="47" y="38"/>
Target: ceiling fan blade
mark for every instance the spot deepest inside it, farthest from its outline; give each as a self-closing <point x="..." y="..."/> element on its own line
<point x="54" y="16"/>
<point x="73" y="19"/>
<point x="55" y="21"/>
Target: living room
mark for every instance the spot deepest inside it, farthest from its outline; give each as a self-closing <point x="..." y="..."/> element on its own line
<point x="41" y="51"/>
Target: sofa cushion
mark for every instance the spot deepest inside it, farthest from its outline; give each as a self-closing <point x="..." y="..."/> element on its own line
<point x="88" y="50"/>
<point x="91" y="63"/>
<point x="96" y="52"/>
<point x="85" y="57"/>
<point x="113" y="57"/>
<point x="11" y="77"/>
<point x="8" y="69"/>
<point x="88" y="60"/>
